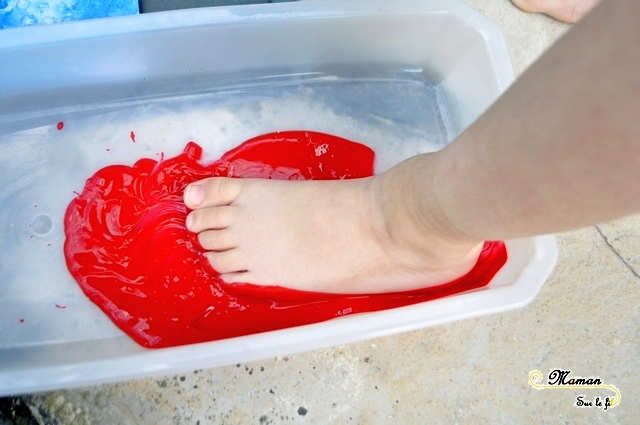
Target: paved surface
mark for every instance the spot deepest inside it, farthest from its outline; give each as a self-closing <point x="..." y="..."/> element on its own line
<point x="476" y="371"/>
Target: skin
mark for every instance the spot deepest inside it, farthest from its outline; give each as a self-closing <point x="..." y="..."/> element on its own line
<point x="562" y="10"/>
<point x="559" y="150"/>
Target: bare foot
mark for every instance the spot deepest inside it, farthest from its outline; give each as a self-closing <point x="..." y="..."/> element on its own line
<point x="348" y="236"/>
<point x="562" y="10"/>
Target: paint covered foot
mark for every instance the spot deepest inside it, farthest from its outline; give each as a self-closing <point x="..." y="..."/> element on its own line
<point x="563" y="10"/>
<point x="348" y="236"/>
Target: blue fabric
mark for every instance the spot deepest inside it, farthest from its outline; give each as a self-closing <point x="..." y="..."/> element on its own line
<point x="15" y="13"/>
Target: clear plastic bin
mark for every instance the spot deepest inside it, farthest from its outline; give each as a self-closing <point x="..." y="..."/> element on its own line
<point x="403" y="77"/>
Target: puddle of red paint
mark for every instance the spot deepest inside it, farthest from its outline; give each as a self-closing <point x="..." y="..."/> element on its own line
<point x="128" y="248"/>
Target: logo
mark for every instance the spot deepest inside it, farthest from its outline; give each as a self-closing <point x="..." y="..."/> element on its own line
<point x="559" y="378"/>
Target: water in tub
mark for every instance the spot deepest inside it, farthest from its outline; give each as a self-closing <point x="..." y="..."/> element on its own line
<point x="46" y="159"/>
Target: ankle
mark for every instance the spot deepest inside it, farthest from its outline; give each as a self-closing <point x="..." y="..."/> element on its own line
<point x="411" y="214"/>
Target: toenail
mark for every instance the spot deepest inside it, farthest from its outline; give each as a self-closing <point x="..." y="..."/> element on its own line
<point x="194" y="194"/>
<point x="190" y="221"/>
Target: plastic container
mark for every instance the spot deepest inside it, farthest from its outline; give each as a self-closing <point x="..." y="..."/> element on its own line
<point x="404" y="77"/>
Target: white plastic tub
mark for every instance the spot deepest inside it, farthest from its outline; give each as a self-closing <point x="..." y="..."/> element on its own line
<point x="404" y="77"/>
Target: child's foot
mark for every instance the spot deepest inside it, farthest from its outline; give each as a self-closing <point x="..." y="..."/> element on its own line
<point x="563" y="10"/>
<point x="348" y="236"/>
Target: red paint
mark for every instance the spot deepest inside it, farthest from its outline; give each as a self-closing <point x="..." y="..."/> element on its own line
<point x="60" y="125"/>
<point x="133" y="136"/>
<point x="128" y="248"/>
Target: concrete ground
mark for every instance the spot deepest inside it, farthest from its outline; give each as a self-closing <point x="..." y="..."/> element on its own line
<point x="476" y="371"/>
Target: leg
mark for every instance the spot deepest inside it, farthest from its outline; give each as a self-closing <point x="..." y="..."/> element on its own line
<point x="558" y="151"/>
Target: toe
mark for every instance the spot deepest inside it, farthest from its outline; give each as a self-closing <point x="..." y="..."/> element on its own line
<point x="226" y="262"/>
<point x="216" y="240"/>
<point x="237" y="277"/>
<point x="214" y="218"/>
<point x="526" y="5"/>
<point x="212" y="192"/>
<point x="566" y="11"/>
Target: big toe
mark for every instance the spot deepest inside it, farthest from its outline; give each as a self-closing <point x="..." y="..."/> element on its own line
<point x="212" y="192"/>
